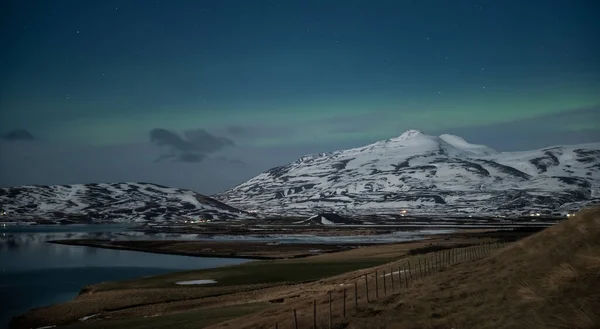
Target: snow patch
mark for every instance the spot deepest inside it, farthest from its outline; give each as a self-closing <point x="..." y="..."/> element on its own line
<point x="87" y="317"/>
<point x="193" y="282"/>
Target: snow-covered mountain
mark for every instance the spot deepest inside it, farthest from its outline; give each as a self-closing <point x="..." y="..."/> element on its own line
<point x="427" y="175"/>
<point x="119" y="202"/>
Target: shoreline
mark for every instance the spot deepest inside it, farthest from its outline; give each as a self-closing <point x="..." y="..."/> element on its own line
<point x="253" y="283"/>
<point x="218" y="249"/>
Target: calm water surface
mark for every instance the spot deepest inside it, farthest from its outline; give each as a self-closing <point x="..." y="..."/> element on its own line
<point x="34" y="273"/>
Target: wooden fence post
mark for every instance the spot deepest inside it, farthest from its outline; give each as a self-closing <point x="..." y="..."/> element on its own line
<point x="295" y="320"/>
<point x="355" y="295"/>
<point x="330" y="321"/>
<point x="410" y="272"/>
<point x="406" y="276"/>
<point x="276" y="326"/>
<point x="384" y="284"/>
<point x="344" y="303"/>
<point x="314" y="314"/>
<point x="420" y="268"/>
<point x="399" y="279"/>
<point x="447" y="257"/>
<point x="376" y="286"/>
<point x="431" y="265"/>
<point x="392" y="277"/>
<point x="367" y="287"/>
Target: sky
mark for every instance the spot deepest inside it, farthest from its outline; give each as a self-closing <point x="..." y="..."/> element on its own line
<point x="206" y="94"/>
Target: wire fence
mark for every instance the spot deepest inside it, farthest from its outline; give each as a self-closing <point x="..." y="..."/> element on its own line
<point x="330" y="311"/>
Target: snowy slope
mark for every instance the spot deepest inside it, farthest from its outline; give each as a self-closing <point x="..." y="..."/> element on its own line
<point x="427" y="175"/>
<point x="120" y="202"/>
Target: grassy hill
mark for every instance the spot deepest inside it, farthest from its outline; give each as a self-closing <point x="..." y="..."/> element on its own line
<point x="548" y="280"/>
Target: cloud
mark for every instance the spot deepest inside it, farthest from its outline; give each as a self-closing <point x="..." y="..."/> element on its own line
<point x="193" y="147"/>
<point x="236" y="130"/>
<point x="191" y="157"/>
<point x="205" y="142"/>
<point x="18" y="135"/>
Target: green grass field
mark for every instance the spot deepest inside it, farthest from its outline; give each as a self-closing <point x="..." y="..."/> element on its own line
<point x="191" y="319"/>
<point x="260" y="272"/>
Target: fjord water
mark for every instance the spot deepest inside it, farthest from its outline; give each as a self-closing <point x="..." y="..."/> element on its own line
<point x="34" y="273"/>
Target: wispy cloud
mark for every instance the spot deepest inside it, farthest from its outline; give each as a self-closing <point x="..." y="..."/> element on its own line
<point x="18" y="135"/>
<point x="193" y="147"/>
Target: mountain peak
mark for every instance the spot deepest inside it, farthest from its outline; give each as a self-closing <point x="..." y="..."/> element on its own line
<point x="410" y="134"/>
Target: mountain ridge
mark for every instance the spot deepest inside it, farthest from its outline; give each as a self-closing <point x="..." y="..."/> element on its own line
<point x="429" y="175"/>
<point x="111" y="202"/>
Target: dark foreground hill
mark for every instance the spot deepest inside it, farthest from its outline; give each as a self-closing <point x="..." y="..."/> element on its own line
<point x="549" y="280"/>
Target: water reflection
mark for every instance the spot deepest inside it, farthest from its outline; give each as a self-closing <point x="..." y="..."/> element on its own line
<point x="36" y="273"/>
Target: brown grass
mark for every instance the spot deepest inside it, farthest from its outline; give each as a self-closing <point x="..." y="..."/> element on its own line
<point x="158" y="295"/>
<point x="549" y="280"/>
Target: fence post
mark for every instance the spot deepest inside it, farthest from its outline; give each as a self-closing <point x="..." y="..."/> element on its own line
<point x="355" y="295"/>
<point x="420" y="267"/>
<point x="295" y="320"/>
<point x="399" y="279"/>
<point x="314" y="314"/>
<point x="453" y="255"/>
<point x="367" y="287"/>
<point x="330" y="321"/>
<point x="276" y="326"/>
<point x="344" y="303"/>
<point x="384" y="284"/>
<point x="410" y="272"/>
<point x="376" y="286"/>
<point x="447" y="257"/>
<point x="392" y="277"/>
<point x="406" y="276"/>
<point x="432" y="265"/>
<point x="444" y="257"/>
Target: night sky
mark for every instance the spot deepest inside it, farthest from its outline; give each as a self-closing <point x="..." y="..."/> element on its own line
<point x="206" y="94"/>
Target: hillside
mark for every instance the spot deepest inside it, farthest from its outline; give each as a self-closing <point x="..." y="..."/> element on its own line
<point x="119" y="202"/>
<point x="427" y="175"/>
<point x="548" y="280"/>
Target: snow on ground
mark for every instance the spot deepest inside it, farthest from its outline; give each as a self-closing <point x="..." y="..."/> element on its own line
<point x="87" y="317"/>
<point x="194" y="282"/>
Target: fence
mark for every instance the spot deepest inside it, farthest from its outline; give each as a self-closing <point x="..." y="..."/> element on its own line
<point x="332" y="309"/>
